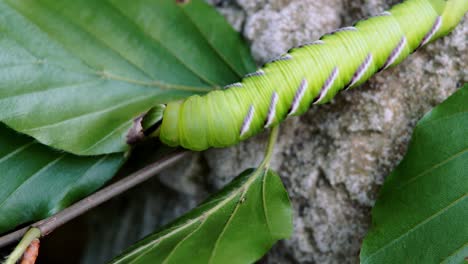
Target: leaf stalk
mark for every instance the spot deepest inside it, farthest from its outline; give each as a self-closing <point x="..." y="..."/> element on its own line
<point x="30" y="236"/>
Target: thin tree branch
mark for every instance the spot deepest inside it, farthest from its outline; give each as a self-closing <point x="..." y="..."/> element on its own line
<point x="48" y="225"/>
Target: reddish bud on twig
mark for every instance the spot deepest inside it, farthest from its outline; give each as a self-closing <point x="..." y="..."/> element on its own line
<point x="31" y="253"/>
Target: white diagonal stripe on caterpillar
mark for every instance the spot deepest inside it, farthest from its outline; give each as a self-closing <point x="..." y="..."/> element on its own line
<point x="327" y="85"/>
<point x="272" y="110"/>
<point x="300" y="92"/>
<point x="385" y="13"/>
<point x="317" y="42"/>
<point x="232" y="85"/>
<point x="247" y="121"/>
<point x="343" y="29"/>
<point x="283" y="57"/>
<point x="362" y="69"/>
<point x="257" y="73"/>
<point x="432" y="31"/>
<point x="396" y="52"/>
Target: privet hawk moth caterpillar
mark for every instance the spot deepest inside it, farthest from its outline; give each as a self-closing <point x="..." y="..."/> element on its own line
<point x="309" y="74"/>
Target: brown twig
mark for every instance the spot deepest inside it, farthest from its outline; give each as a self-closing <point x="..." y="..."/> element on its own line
<point x="48" y="225"/>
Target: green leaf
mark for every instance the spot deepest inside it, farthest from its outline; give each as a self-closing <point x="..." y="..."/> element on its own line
<point x="421" y="215"/>
<point x="37" y="182"/>
<point x="75" y="74"/>
<point x="238" y="225"/>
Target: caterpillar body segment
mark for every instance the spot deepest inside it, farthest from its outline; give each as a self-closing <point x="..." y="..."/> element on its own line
<point x="310" y="74"/>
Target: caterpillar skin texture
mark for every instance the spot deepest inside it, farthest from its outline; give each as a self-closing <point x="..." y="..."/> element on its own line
<point x="310" y="74"/>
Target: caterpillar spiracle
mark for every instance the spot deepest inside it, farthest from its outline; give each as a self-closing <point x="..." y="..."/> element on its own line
<point x="309" y="74"/>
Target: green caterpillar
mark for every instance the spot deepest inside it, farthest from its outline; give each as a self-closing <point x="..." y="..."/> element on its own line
<point x="309" y="74"/>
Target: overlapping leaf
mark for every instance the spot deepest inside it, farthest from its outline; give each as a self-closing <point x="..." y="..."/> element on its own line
<point x="421" y="215"/>
<point x="75" y="74"/>
<point x="238" y="225"/>
<point x="36" y="181"/>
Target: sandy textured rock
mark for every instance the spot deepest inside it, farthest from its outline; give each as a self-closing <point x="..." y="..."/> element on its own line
<point x="334" y="158"/>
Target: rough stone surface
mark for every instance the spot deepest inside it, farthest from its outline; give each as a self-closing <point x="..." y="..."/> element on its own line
<point x="332" y="160"/>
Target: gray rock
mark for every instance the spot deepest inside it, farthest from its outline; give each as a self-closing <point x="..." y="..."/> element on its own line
<point x="333" y="159"/>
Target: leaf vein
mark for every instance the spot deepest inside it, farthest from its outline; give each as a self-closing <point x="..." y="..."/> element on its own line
<point x="435" y="166"/>
<point x="72" y="185"/>
<point x="264" y="203"/>
<point x="131" y="20"/>
<point x="412" y="229"/>
<point x="173" y="250"/>
<point x="43" y="169"/>
<point x="106" y="136"/>
<point x="16" y="151"/>
<point x="80" y="116"/>
<point x="205" y="38"/>
<point x="50" y="88"/>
